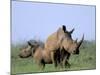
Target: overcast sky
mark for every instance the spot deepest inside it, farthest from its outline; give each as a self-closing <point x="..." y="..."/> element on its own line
<point x="39" y="20"/>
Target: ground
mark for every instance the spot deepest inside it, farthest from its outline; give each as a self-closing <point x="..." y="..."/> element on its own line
<point x="86" y="60"/>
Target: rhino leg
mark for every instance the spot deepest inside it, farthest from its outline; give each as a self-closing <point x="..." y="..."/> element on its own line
<point x="56" y="61"/>
<point x="56" y="57"/>
<point x="68" y="55"/>
<point x="64" y="58"/>
<point x="53" y="58"/>
<point x="67" y="64"/>
<point x="43" y="64"/>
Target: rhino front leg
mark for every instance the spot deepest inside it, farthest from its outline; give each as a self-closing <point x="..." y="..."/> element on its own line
<point x="66" y="63"/>
<point x="41" y="64"/>
<point x="64" y="58"/>
<point x="54" y="60"/>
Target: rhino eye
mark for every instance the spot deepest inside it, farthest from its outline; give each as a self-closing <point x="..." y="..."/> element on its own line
<point x="74" y="51"/>
<point x="25" y="51"/>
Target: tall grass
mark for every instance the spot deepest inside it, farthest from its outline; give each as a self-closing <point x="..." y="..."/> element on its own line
<point x="85" y="60"/>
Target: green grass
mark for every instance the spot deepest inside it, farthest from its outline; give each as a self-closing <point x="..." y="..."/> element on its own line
<point x="85" y="60"/>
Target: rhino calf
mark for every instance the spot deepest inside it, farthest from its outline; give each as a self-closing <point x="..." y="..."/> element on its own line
<point x="41" y="55"/>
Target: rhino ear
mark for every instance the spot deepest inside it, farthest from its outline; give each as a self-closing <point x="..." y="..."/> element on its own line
<point x="64" y="28"/>
<point x="29" y="44"/>
<point x="71" y="31"/>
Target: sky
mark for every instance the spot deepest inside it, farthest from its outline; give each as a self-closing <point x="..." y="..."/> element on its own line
<point x="39" y="20"/>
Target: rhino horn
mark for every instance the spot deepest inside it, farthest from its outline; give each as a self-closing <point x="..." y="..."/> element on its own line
<point x="80" y="42"/>
<point x="71" y="31"/>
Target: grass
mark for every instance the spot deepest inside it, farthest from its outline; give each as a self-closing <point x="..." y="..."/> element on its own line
<point x="84" y="61"/>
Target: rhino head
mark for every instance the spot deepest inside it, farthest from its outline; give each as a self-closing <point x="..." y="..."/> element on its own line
<point x="74" y="47"/>
<point x="27" y="52"/>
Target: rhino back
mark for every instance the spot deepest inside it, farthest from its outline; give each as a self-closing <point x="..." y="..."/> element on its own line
<point x="54" y="40"/>
<point x="51" y="42"/>
<point x="38" y="54"/>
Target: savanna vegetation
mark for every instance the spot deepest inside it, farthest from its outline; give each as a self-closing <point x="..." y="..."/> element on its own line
<point x="86" y="60"/>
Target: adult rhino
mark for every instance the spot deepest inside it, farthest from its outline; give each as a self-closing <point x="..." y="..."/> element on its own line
<point x="62" y="40"/>
<point x="53" y="42"/>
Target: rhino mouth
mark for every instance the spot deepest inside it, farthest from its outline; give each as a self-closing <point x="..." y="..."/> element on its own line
<point x="76" y="51"/>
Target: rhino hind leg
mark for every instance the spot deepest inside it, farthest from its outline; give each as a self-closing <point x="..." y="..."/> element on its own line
<point x="53" y="59"/>
<point x="56" y="58"/>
